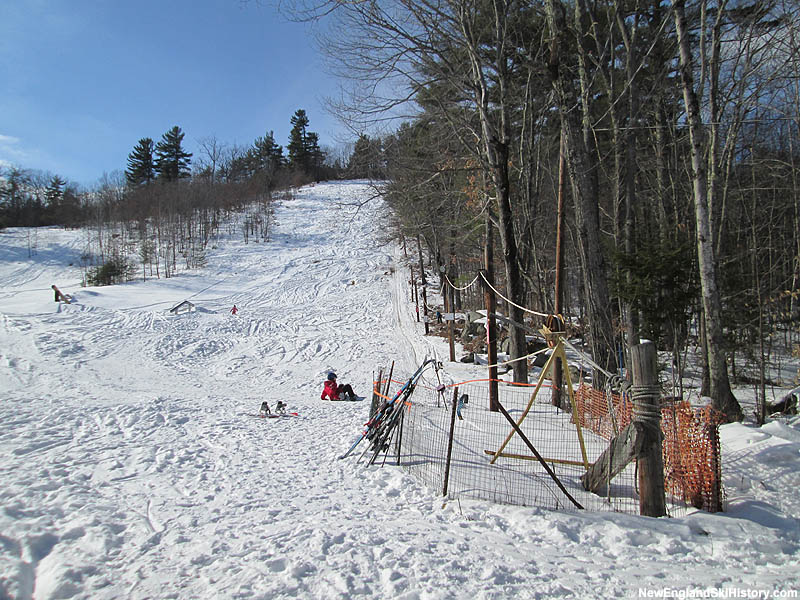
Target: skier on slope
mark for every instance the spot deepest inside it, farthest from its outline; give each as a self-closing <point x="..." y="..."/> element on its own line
<point x="334" y="391"/>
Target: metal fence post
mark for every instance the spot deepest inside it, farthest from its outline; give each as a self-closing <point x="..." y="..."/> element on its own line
<point x="450" y="443"/>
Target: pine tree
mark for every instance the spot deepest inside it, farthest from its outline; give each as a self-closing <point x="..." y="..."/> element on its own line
<point x="298" y="140"/>
<point x="266" y="155"/>
<point x="141" y="169"/>
<point x="54" y="191"/>
<point x="315" y="156"/>
<point x="172" y="161"/>
<point x="367" y="159"/>
<point x="305" y="155"/>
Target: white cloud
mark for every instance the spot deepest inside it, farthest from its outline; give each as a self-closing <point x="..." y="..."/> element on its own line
<point x="11" y="151"/>
<point x="8" y="139"/>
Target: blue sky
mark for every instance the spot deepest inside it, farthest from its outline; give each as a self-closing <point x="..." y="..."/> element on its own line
<point x="82" y="81"/>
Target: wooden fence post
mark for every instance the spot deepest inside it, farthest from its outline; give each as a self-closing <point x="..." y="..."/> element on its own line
<point x="647" y="416"/>
<point x="425" y="309"/>
<point x="399" y="444"/>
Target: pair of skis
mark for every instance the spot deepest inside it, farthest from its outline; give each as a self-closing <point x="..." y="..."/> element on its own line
<point x="277" y="415"/>
<point x="280" y="411"/>
<point x="379" y="427"/>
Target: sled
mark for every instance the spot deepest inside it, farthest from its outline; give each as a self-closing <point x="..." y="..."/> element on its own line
<point x="356" y="399"/>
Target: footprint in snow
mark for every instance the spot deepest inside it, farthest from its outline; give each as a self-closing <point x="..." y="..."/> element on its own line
<point x="276" y="565"/>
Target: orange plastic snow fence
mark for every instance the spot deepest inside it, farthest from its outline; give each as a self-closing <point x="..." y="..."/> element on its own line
<point x="691" y="449"/>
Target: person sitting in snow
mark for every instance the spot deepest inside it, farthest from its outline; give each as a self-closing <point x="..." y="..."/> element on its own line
<point x="334" y="391"/>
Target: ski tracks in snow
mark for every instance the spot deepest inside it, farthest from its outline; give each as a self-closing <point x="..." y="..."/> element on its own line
<point x="132" y="453"/>
<point x="133" y="464"/>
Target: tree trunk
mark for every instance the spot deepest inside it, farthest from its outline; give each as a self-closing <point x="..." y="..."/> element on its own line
<point x="582" y="168"/>
<point x="495" y="137"/>
<point x="508" y="244"/>
<point x="491" y="306"/>
<point x="721" y="395"/>
<point x="632" y="316"/>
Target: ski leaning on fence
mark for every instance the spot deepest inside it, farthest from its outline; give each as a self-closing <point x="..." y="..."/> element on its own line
<point x="379" y="429"/>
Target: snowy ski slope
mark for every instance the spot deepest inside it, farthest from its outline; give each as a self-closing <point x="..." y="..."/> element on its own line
<point x="131" y="465"/>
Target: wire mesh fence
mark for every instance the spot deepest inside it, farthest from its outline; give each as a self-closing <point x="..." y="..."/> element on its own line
<point x="691" y="452"/>
<point x="462" y="449"/>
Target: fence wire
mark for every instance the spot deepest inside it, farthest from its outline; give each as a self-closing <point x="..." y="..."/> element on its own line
<point x="691" y="451"/>
<point x="516" y="477"/>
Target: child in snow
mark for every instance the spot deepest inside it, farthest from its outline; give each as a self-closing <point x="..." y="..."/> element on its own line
<point x="334" y="391"/>
<point x="234" y="310"/>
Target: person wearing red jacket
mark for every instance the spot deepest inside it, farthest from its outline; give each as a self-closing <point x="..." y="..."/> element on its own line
<point x="334" y="391"/>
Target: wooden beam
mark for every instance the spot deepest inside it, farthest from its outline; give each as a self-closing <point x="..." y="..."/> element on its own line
<point x="555" y="461"/>
<point x="450" y="442"/>
<point x="537" y="455"/>
<point x="619" y="454"/>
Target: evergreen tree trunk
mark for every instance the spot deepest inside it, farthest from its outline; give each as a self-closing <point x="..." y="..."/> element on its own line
<point x="582" y="168"/>
<point x="665" y="205"/>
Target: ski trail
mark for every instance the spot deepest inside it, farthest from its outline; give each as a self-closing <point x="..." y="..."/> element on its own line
<point x="131" y="463"/>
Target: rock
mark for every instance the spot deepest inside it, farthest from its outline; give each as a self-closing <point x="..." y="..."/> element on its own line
<point x="786" y="405"/>
<point x="540" y="359"/>
<point x="471" y="329"/>
<point x="474" y="316"/>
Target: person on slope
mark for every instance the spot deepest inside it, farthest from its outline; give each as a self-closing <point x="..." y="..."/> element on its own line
<point x="334" y="391"/>
<point x="234" y="310"/>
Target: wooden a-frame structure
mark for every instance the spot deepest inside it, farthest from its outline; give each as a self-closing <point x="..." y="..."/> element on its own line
<point x="557" y="342"/>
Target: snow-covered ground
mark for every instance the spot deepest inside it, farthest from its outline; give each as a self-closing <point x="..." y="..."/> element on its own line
<point x="132" y="465"/>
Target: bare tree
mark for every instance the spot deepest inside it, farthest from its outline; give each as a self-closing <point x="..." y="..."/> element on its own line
<point x="721" y="395"/>
<point x="212" y="153"/>
<point x="574" y="107"/>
